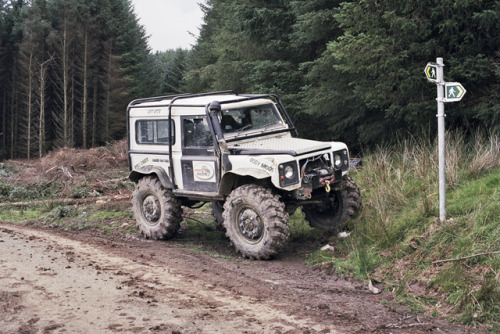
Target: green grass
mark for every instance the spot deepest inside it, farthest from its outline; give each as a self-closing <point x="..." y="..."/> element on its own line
<point x="300" y="230"/>
<point x="399" y="234"/>
<point x="107" y="218"/>
<point x="22" y="215"/>
<point x="100" y="215"/>
<point x="31" y="191"/>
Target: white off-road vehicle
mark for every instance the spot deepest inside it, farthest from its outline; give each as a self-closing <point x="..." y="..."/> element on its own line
<point x="241" y="153"/>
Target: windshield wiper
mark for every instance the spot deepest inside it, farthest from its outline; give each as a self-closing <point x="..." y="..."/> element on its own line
<point x="244" y="127"/>
<point x="269" y="124"/>
<point x="263" y="129"/>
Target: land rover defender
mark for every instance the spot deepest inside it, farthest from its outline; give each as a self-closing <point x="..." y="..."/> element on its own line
<point x="242" y="153"/>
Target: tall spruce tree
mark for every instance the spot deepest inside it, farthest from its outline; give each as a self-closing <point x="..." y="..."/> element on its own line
<point x="68" y="70"/>
<point x="12" y="34"/>
<point x="34" y="59"/>
<point x="63" y="45"/>
<point x="3" y="74"/>
<point x="248" y="53"/>
<point x="374" y="70"/>
<point x="168" y="69"/>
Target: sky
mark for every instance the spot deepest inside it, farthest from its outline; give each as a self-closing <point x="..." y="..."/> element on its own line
<point x="168" y="23"/>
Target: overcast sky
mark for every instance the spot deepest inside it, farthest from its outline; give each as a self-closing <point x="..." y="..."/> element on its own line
<point x="168" y="23"/>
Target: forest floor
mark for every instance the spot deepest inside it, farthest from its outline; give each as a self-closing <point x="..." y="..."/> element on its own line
<point x="69" y="269"/>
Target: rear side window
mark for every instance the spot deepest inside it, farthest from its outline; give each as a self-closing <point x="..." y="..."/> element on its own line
<point x="154" y="132"/>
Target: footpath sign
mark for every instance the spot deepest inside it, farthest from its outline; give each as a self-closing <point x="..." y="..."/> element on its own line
<point x="431" y="72"/>
<point x="453" y="91"/>
<point x="446" y="92"/>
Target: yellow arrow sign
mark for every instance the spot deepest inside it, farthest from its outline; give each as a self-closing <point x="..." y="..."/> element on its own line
<point x="431" y="72"/>
<point x="454" y="91"/>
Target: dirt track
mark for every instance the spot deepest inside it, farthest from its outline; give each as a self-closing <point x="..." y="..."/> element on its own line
<point x="82" y="282"/>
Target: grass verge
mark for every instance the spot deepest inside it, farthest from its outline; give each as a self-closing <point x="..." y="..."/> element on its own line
<point x="399" y="239"/>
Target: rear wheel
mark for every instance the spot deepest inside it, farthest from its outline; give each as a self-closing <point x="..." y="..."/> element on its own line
<point x="256" y="222"/>
<point x="337" y="209"/>
<point x="157" y="211"/>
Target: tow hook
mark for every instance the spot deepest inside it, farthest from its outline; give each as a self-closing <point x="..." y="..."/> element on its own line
<point x="326" y="182"/>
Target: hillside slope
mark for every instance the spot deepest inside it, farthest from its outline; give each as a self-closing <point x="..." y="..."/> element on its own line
<point x="449" y="268"/>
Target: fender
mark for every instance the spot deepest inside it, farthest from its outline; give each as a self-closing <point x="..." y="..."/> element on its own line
<point x="139" y="173"/>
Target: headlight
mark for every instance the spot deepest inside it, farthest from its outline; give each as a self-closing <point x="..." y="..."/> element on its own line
<point x="337" y="160"/>
<point x="289" y="172"/>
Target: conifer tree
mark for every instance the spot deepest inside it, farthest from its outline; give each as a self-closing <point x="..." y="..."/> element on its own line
<point x="373" y="71"/>
<point x="63" y="42"/>
<point x="33" y="61"/>
<point x="12" y="32"/>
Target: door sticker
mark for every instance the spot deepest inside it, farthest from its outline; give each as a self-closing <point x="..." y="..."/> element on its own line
<point x="204" y="171"/>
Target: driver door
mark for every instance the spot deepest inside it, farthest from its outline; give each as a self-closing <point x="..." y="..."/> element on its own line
<point x="200" y="166"/>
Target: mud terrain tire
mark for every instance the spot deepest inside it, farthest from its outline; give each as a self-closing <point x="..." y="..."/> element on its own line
<point x="256" y="222"/>
<point x="157" y="211"/>
<point x="337" y="209"/>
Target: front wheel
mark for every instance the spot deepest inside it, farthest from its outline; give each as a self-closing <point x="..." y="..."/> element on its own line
<point x="337" y="209"/>
<point x="256" y="222"/>
<point x="157" y="211"/>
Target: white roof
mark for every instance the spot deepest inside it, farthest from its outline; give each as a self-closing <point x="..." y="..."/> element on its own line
<point x="202" y="101"/>
<point x="158" y="107"/>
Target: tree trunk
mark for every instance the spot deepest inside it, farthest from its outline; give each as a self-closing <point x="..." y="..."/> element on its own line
<point x="4" y="113"/>
<point x="94" y="113"/>
<point x="108" y="94"/>
<point x="72" y="113"/>
<point x="41" y="119"/>
<point x="66" y="142"/>
<point x="85" y="88"/>
<point x="30" y="104"/>
<point x="13" y="115"/>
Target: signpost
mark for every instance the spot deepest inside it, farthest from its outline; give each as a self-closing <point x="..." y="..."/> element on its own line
<point x="446" y="92"/>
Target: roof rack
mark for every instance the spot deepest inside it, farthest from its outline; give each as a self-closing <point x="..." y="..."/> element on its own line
<point x="179" y="96"/>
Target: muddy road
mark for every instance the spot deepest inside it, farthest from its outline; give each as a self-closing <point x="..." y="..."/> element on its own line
<point x="86" y="282"/>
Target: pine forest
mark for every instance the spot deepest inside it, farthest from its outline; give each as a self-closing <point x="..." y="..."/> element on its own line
<point x="346" y="70"/>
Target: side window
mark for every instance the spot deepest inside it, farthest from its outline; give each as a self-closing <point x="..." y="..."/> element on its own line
<point x="154" y="132"/>
<point x="162" y="131"/>
<point x="197" y="133"/>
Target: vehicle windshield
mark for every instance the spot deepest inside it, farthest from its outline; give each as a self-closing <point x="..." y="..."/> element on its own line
<point x="235" y="121"/>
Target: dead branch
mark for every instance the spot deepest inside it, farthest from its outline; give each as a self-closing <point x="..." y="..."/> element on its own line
<point x="63" y="169"/>
<point x="405" y="326"/>
<point x="112" y="180"/>
<point x="67" y="201"/>
<point x="465" y="257"/>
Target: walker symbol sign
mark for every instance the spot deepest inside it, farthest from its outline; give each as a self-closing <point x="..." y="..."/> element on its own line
<point x="431" y="72"/>
<point x="454" y="91"/>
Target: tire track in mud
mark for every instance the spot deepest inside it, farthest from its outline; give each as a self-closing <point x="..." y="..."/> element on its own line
<point x="93" y="282"/>
<point x="49" y="283"/>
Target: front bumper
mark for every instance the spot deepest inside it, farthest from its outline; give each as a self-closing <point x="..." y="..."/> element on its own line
<point x="318" y="179"/>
